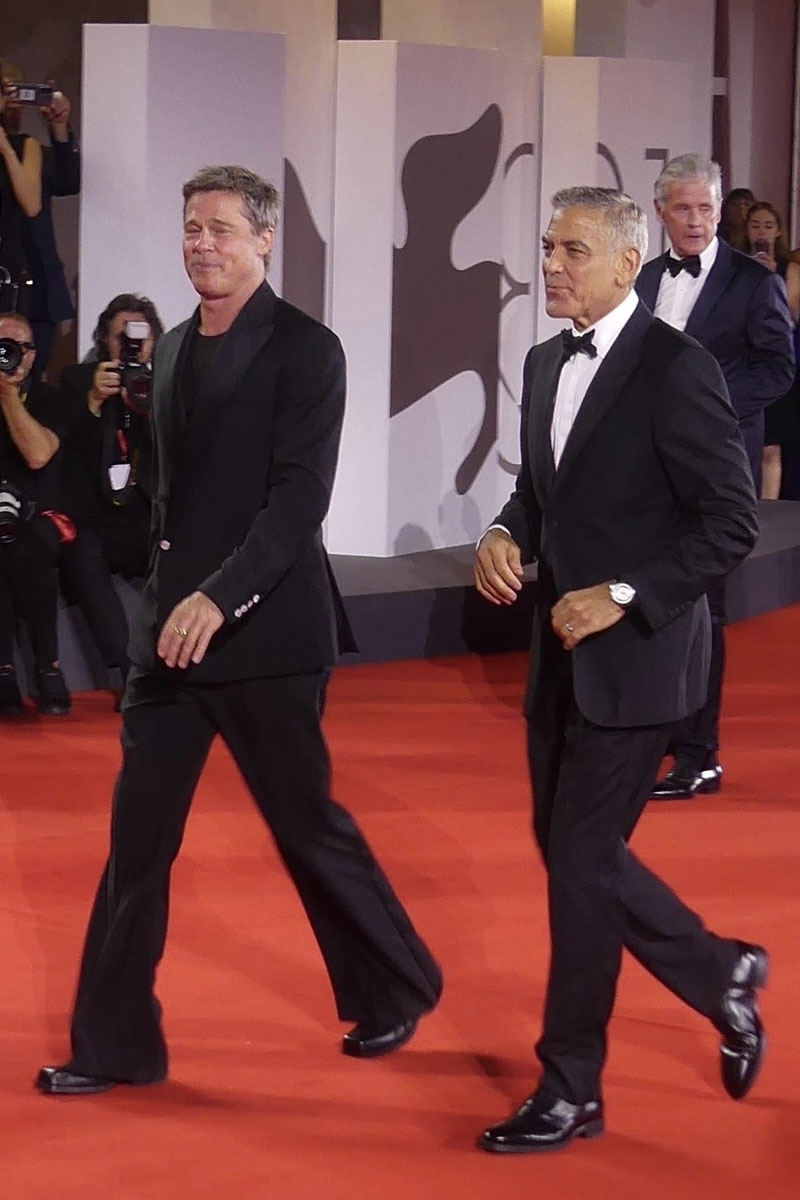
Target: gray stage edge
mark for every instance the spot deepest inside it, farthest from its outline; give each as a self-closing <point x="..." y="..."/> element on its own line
<point x="425" y="605"/>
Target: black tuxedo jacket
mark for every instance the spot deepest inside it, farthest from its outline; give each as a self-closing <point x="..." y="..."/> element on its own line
<point x="652" y="488"/>
<point x="742" y="316"/>
<point x="244" y="471"/>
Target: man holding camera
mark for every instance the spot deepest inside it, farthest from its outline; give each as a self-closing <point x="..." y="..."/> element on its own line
<point x="239" y="625"/>
<point x="107" y="470"/>
<point x="32" y="422"/>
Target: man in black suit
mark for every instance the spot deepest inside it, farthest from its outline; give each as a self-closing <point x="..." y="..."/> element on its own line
<point x="737" y="309"/>
<point x="634" y="495"/>
<point x="236" y="635"/>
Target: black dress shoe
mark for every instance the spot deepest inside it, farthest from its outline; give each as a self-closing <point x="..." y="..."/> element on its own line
<point x="54" y="700"/>
<point x="681" y="783"/>
<point x="367" y="1041"/>
<point x="543" y="1123"/>
<point x="10" y="699"/>
<point x="743" y="1039"/>
<point x="63" y="1081"/>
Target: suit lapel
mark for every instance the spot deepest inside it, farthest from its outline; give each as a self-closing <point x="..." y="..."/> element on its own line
<point x="612" y="375"/>
<point x="169" y="416"/>
<point x="540" y="418"/>
<point x="718" y="279"/>
<point x="649" y="280"/>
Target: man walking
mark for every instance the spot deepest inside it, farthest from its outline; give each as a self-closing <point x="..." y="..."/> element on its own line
<point x="635" y="496"/>
<point x="235" y="635"/>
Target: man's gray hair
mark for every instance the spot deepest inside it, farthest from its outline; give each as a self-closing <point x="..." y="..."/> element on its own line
<point x="688" y="168"/>
<point x="626" y="222"/>
<point x="261" y="200"/>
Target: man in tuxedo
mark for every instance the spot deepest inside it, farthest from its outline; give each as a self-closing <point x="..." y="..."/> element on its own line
<point x="737" y="309"/>
<point x="235" y="635"/>
<point x="634" y="495"/>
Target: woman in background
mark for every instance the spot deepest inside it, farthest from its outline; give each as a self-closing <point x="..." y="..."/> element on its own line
<point x="765" y="241"/>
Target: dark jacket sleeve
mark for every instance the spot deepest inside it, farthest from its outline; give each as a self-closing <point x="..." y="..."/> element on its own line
<point x="765" y="371"/>
<point x="521" y="514"/>
<point x="63" y="167"/>
<point x="308" y="425"/>
<point x="697" y="438"/>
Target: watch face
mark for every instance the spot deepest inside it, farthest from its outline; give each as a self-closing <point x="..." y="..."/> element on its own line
<point x="622" y="593"/>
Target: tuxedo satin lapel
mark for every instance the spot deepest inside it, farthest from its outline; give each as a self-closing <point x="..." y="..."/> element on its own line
<point x="612" y="375"/>
<point x="719" y="277"/>
<point x="540" y="419"/>
<point x="246" y="337"/>
<point x="169" y="415"/>
<point x="649" y="280"/>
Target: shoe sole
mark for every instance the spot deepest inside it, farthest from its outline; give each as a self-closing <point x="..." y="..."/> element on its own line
<point x="591" y="1129"/>
<point x="96" y="1088"/>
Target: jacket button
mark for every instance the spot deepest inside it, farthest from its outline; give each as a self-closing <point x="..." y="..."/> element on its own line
<point x="256" y="598"/>
<point x="164" y="544"/>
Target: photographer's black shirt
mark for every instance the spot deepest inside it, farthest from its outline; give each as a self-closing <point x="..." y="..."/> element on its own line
<point x="199" y="358"/>
<point x="46" y="406"/>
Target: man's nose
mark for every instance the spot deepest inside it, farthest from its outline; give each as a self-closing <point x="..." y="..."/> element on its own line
<point x="204" y="240"/>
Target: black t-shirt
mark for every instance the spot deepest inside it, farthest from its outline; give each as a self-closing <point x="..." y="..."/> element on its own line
<point x="201" y="353"/>
<point x="47" y="407"/>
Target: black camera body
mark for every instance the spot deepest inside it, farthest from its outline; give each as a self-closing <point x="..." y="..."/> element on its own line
<point x="11" y="355"/>
<point x="14" y="509"/>
<point x="136" y="377"/>
<point x="40" y="94"/>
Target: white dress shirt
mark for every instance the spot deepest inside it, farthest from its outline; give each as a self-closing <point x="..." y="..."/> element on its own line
<point x="579" y="371"/>
<point x="677" y="295"/>
<point x="576" y="375"/>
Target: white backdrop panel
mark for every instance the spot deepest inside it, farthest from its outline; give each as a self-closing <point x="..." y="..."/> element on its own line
<point x="131" y="196"/>
<point x="605" y="122"/>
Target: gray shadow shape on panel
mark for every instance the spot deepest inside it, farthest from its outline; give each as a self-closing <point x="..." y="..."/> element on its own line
<point x="446" y="321"/>
<point x="304" y="251"/>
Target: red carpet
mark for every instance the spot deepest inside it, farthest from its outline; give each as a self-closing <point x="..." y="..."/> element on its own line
<point x="260" y="1102"/>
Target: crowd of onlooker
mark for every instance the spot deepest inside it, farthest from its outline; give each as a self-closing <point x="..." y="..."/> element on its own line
<point x="76" y="453"/>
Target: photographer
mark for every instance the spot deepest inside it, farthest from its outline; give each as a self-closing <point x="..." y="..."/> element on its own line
<point x="32" y="423"/>
<point x="20" y="187"/>
<point x="107" y="470"/>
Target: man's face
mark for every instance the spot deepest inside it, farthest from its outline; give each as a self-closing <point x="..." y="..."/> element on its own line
<point x="17" y="332"/>
<point x="689" y="214"/>
<point x="116" y="329"/>
<point x="584" y="275"/>
<point x="222" y="255"/>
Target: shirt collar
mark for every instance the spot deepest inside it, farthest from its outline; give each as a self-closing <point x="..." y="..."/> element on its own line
<point x="707" y="256"/>
<point x="609" y="327"/>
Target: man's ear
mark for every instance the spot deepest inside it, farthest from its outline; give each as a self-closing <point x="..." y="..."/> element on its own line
<point x="657" y="207"/>
<point x="628" y="265"/>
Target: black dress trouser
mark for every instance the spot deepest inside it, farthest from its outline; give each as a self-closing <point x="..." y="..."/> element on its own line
<point x="590" y="785"/>
<point x="379" y="968"/>
<point x="695" y="740"/>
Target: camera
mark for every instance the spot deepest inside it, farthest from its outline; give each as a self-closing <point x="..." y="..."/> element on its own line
<point x="14" y="509"/>
<point x="761" y="246"/>
<point x="136" y="377"/>
<point x="40" y="94"/>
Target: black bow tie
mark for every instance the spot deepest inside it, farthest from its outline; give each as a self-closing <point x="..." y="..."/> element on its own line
<point x="690" y="264"/>
<point x="578" y="345"/>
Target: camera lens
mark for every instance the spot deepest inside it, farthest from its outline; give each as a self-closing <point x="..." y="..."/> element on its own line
<point x="10" y="355"/>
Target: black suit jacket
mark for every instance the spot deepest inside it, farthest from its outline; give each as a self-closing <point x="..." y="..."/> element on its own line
<point x="742" y="316"/>
<point x="652" y="488"/>
<point x="242" y="487"/>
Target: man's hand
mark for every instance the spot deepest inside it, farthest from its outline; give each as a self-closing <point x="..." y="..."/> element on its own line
<point x="105" y="383"/>
<point x="188" y="629"/>
<point x="578" y="615"/>
<point x="498" y="568"/>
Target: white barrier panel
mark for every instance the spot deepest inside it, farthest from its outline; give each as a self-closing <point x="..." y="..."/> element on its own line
<point x="611" y="123"/>
<point x="416" y="295"/>
<point x="158" y="103"/>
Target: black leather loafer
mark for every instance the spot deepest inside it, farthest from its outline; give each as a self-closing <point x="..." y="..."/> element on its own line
<point x="681" y="783"/>
<point x="62" y="1081"/>
<point x="543" y="1123"/>
<point x="743" y="1042"/>
<point x="366" y="1041"/>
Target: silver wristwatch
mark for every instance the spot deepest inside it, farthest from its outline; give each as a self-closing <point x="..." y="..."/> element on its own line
<point x="621" y="593"/>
